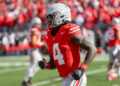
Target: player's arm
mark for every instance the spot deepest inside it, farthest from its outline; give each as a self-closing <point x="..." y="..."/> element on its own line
<point x="47" y="65"/>
<point x="85" y="44"/>
<point x="118" y="35"/>
<point x="34" y="39"/>
<point x="81" y="41"/>
<point x="51" y="63"/>
<point x="35" y="42"/>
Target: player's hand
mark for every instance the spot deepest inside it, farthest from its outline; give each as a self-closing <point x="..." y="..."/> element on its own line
<point x="77" y="74"/>
<point x="42" y="64"/>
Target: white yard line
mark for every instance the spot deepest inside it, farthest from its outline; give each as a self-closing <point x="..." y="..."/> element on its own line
<point x="96" y="71"/>
<point x="11" y="70"/>
<point x="8" y="64"/>
<point x="59" y="79"/>
<point x="116" y="85"/>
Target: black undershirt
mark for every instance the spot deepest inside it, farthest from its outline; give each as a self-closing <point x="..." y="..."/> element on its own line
<point x="55" y="30"/>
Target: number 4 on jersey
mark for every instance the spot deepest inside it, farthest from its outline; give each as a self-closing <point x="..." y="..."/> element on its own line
<point x="57" y="54"/>
<point x="111" y="34"/>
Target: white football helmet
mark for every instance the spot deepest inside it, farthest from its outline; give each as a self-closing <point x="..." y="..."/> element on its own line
<point x="36" y="21"/>
<point x="116" y="21"/>
<point x="58" y="13"/>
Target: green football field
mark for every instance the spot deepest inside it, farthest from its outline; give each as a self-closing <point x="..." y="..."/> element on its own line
<point x="12" y="71"/>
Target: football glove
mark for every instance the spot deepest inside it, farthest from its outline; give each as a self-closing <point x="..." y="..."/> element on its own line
<point x="77" y="74"/>
<point x="42" y="64"/>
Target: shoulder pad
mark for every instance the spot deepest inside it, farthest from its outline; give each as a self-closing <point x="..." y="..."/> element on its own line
<point x="68" y="26"/>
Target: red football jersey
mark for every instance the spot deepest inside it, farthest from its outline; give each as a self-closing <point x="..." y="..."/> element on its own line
<point x="66" y="55"/>
<point x="112" y="35"/>
<point x="34" y="31"/>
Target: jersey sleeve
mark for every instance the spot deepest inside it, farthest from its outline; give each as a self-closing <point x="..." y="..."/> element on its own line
<point x="74" y="30"/>
<point x="118" y="28"/>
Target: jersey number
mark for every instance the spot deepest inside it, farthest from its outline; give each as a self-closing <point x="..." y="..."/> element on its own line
<point x="57" y="54"/>
<point x="111" y="34"/>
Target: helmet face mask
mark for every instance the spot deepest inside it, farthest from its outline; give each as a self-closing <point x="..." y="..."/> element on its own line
<point x="50" y="19"/>
<point x="58" y="13"/>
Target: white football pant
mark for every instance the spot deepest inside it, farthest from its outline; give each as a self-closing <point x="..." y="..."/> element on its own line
<point x="69" y="81"/>
<point x="119" y="71"/>
<point x="35" y="57"/>
<point x="113" y="57"/>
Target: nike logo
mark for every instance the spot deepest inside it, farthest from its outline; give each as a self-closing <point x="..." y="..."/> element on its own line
<point x="62" y="32"/>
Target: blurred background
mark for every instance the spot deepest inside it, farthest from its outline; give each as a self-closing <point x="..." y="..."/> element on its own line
<point x="93" y="17"/>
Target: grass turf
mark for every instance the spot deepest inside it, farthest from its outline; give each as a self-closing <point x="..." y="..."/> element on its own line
<point x="15" y="77"/>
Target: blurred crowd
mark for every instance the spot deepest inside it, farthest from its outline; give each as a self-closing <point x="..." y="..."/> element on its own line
<point x="16" y="14"/>
<point x="93" y="16"/>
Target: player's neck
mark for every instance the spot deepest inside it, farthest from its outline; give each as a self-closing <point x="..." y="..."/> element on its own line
<point x="56" y="29"/>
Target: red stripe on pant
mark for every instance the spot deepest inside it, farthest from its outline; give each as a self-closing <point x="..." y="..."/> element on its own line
<point x="78" y="82"/>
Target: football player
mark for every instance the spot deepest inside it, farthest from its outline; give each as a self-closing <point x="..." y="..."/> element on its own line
<point x="35" y="56"/>
<point x="64" y="41"/>
<point x="113" y="46"/>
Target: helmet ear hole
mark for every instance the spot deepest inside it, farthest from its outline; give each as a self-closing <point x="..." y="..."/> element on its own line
<point x="62" y="16"/>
